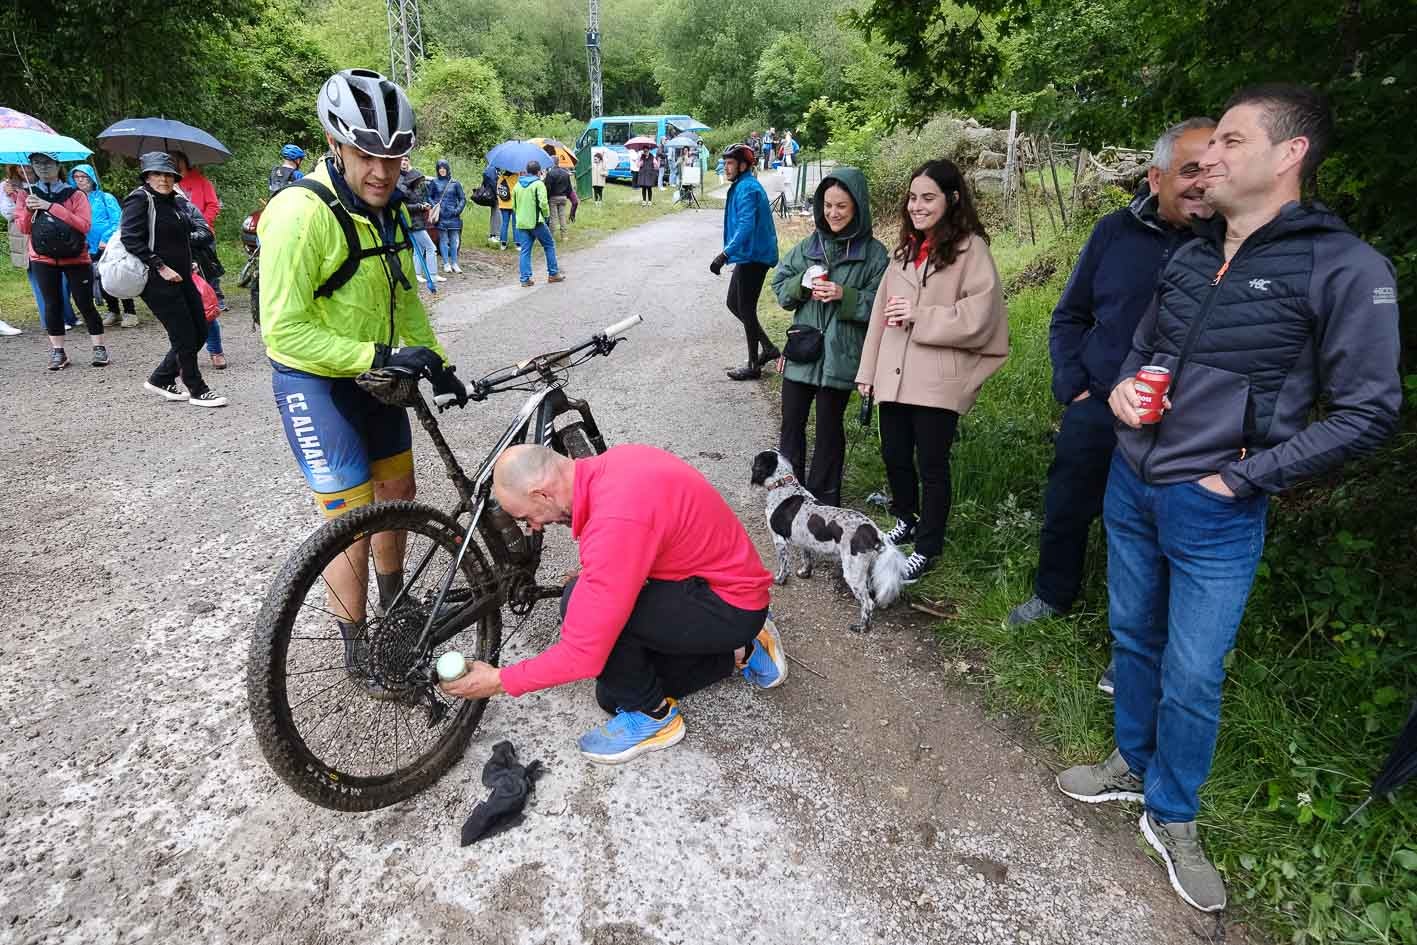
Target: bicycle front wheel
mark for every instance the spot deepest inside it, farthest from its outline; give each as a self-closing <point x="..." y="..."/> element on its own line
<point x="340" y="690"/>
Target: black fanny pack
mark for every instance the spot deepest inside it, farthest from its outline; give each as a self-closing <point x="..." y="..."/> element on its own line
<point x="805" y="344"/>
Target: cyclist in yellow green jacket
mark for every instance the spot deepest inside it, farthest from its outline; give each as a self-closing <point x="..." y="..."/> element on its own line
<point x="338" y="298"/>
<point x="533" y="209"/>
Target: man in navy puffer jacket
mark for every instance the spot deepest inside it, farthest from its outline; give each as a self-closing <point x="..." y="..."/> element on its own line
<point x="1276" y="306"/>
<point x="1109" y="291"/>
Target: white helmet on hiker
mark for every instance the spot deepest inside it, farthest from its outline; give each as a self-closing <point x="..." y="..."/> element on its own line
<point x="363" y="109"/>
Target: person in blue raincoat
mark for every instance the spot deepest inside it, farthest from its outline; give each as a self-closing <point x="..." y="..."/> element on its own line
<point x="104" y="211"/>
<point x="446" y="194"/>
<point x="750" y="244"/>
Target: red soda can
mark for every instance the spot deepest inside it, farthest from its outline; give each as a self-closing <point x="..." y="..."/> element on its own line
<point x="1151" y="384"/>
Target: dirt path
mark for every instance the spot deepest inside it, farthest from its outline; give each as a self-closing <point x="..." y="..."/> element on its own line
<point x="878" y="804"/>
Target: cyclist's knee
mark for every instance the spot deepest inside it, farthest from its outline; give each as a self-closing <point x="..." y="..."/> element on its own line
<point x="395" y="490"/>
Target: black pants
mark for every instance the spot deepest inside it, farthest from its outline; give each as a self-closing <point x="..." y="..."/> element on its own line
<point x="50" y="280"/>
<point x="744" y="287"/>
<point x="598" y="190"/>
<point x="113" y="304"/>
<point x="680" y="638"/>
<point x="178" y="306"/>
<point x="829" y="453"/>
<point x="1077" y="481"/>
<point x="647" y="194"/>
<point x="914" y="436"/>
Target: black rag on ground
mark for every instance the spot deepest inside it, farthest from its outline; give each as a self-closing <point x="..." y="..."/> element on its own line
<point x="511" y="783"/>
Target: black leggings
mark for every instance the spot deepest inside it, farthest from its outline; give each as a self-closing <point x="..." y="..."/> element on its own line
<point x="743" y="290"/>
<point x="178" y="305"/>
<point x="680" y="638"/>
<point x="912" y="435"/>
<point x="829" y="453"/>
<point x="647" y="193"/>
<point x="50" y="279"/>
<point x="599" y="190"/>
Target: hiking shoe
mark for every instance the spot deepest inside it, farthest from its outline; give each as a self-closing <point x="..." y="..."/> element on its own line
<point x="1192" y="876"/>
<point x="527" y="283"/>
<point x="916" y="566"/>
<point x="902" y="534"/>
<point x="767" y="663"/>
<point x="1035" y="608"/>
<point x="1107" y="684"/>
<point x="631" y="734"/>
<point x="170" y="392"/>
<point x="1110" y="781"/>
<point x="129" y="321"/>
<point x="110" y="320"/>
<point x="748" y="372"/>
<point x="209" y="399"/>
<point x="100" y="356"/>
<point x="556" y="278"/>
<point x="58" y="360"/>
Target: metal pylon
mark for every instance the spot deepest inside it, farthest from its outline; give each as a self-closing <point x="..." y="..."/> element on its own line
<point x="405" y="40"/>
<point x="592" y="44"/>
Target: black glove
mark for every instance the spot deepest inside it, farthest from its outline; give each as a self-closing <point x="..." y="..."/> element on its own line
<point x="511" y="783"/>
<point x="716" y="266"/>
<point x="446" y="381"/>
<point x="419" y="360"/>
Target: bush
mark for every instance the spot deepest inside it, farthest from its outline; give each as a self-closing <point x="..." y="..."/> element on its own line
<point x="460" y="106"/>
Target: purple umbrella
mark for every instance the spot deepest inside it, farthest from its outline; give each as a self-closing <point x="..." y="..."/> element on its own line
<point x="9" y="118"/>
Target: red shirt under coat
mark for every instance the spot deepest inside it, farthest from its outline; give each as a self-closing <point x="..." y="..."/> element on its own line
<point x="73" y="211"/>
<point x="639" y="513"/>
<point x="200" y="191"/>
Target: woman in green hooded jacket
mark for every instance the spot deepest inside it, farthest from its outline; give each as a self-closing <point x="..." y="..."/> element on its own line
<point x="828" y="281"/>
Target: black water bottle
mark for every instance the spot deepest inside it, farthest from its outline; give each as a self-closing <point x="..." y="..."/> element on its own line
<point x="513" y="538"/>
<point x="866" y="403"/>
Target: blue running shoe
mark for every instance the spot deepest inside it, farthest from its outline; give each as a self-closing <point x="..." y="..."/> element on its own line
<point x="631" y="734"/>
<point x="767" y="664"/>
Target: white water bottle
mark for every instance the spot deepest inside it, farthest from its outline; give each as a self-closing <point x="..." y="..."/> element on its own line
<point x="451" y="666"/>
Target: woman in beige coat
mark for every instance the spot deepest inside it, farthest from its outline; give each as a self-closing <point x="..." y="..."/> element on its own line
<point x="938" y="330"/>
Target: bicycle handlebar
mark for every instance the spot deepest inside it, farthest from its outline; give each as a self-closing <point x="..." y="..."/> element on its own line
<point x="603" y="341"/>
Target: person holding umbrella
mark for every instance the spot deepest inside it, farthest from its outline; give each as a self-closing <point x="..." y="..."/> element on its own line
<point x="56" y="219"/>
<point x="750" y="243"/>
<point x="155" y="229"/>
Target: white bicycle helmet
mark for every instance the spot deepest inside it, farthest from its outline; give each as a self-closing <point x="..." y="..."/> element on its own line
<point x="364" y="109"/>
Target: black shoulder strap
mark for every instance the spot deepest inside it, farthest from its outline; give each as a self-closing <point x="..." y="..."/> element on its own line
<point x="357" y="253"/>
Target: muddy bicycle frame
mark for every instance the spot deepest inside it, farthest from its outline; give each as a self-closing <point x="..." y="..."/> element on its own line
<point x="534" y="423"/>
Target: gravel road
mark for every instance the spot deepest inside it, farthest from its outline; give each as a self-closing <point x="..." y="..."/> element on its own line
<point x="877" y="804"/>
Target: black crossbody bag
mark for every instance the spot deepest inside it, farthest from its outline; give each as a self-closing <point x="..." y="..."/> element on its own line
<point x="806" y="344"/>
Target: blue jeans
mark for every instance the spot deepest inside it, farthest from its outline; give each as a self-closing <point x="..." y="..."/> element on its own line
<point x="1077" y="480"/>
<point x="214" y="336"/>
<point x="542" y="235"/>
<point x="507" y="216"/>
<point x="70" y="319"/>
<point x="1180" y="562"/>
<point x="448" y="243"/>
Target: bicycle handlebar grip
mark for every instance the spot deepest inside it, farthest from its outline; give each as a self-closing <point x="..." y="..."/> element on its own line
<point x="442" y="400"/>
<point x="623" y="326"/>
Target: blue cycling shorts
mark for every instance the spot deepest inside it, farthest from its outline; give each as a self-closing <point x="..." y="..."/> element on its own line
<point x="343" y="438"/>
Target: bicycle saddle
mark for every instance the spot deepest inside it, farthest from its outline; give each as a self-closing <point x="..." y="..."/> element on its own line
<point x="397" y="386"/>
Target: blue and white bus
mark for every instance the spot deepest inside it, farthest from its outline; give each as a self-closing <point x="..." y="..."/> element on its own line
<point x="612" y="131"/>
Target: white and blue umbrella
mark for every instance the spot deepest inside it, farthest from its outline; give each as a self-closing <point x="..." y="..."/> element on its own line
<point x="17" y="144"/>
<point x="132" y="137"/>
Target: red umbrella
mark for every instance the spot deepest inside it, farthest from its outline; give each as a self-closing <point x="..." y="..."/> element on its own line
<point x="9" y="118"/>
<point x="642" y="141"/>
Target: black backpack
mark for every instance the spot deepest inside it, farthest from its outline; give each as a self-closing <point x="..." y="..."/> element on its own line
<point x="357" y="252"/>
<point x="280" y="178"/>
<point x="51" y="236"/>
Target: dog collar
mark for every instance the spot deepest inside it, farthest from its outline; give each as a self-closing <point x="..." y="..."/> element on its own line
<point x="781" y="482"/>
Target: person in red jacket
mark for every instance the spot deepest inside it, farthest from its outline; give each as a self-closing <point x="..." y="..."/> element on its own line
<point x="671" y="596"/>
<point x="56" y="221"/>
<point x="200" y="190"/>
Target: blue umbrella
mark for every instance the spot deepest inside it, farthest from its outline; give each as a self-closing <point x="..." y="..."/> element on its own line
<point x="682" y="141"/>
<point x="691" y="125"/>
<point x="135" y="136"/>
<point x="17" y="144"/>
<point x="514" y="156"/>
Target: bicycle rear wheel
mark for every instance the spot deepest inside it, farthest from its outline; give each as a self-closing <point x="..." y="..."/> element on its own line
<point x="351" y="721"/>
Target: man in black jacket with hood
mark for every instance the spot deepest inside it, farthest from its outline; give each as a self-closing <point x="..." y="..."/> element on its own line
<point x="1276" y="306"/>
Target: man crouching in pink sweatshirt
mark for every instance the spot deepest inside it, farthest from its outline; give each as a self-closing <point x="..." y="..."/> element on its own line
<point x="671" y="596"/>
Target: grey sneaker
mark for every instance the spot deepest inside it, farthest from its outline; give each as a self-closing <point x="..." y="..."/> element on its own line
<point x="1192" y="876"/>
<point x="100" y="356"/>
<point x="1107" y="684"/>
<point x="129" y="321"/>
<point x="58" y="360"/>
<point x="110" y="320"/>
<point x="1110" y="781"/>
<point x="1035" y="608"/>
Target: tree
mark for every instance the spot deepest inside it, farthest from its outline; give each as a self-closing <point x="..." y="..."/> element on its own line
<point x="460" y="106"/>
<point x="790" y="76"/>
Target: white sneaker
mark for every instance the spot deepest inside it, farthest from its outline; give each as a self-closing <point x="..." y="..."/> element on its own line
<point x="457" y="268"/>
<point x="110" y="320"/>
<point x="7" y="329"/>
<point x="439" y="277"/>
<point x="210" y="399"/>
<point x="129" y="321"/>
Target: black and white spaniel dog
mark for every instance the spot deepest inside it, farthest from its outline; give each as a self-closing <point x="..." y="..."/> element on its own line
<point x="873" y="568"/>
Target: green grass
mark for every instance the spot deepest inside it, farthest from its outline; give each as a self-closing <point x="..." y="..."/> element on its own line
<point x="1319" y="684"/>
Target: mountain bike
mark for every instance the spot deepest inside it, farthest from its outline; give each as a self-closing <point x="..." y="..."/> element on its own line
<point x="342" y="690"/>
